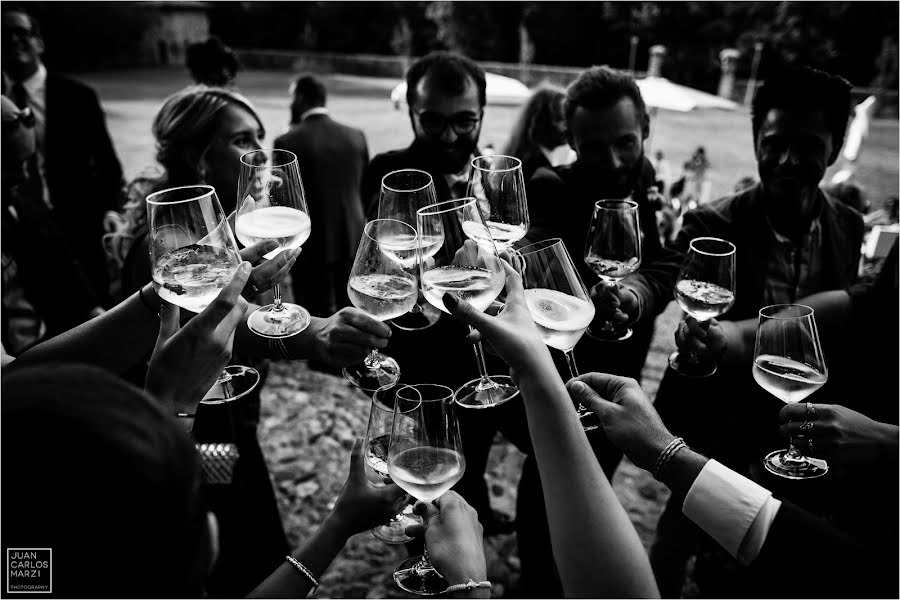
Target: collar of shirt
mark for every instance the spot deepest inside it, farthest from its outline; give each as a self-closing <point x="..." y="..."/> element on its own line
<point x="453" y="179"/>
<point x="814" y="228"/>
<point x="318" y="110"/>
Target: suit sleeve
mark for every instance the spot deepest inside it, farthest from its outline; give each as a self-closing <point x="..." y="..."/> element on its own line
<point x="839" y="565"/>
<point x="106" y="163"/>
<point x="370" y="189"/>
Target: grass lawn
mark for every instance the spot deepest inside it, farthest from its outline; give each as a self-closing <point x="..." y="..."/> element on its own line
<point x="131" y="99"/>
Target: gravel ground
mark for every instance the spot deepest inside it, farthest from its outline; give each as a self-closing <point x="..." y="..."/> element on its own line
<point x="309" y="422"/>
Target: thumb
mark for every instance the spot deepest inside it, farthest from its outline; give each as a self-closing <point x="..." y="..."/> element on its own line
<point x="590" y="399"/>
<point x="466" y="313"/>
<point x="169" y="315"/>
<point x="356" y="459"/>
<point x="427" y="511"/>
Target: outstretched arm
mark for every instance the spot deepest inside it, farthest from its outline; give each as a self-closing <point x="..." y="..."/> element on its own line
<point x="596" y="547"/>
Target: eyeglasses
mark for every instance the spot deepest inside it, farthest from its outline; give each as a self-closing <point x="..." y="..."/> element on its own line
<point x="21" y="32"/>
<point x="25" y="118"/>
<point x="435" y="124"/>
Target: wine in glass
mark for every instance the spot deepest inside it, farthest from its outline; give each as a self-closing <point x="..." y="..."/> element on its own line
<point x="404" y="192"/>
<point x="383" y="285"/>
<point x="704" y="290"/>
<point x="613" y="252"/>
<point x="474" y="272"/>
<point x="789" y="364"/>
<point x="497" y="183"/>
<point x="193" y="255"/>
<point x="559" y="303"/>
<point x="425" y="458"/>
<point x="272" y="206"/>
<point x="378" y="437"/>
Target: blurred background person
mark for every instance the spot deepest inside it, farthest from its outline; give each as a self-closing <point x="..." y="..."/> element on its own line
<point x="212" y="63"/>
<point x="73" y="145"/>
<point x="538" y="137"/>
<point x="36" y="259"/>
<point x="332" y="157"/>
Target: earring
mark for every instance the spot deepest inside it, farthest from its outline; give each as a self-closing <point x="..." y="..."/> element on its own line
<point x="202" y="174"/>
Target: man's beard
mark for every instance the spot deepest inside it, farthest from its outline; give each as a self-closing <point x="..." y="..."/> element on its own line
<point x="446" y="158"/>
<point x="613" y="185"/>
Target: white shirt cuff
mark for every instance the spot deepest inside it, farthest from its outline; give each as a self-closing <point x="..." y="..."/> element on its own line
<point x="733" y="510"/>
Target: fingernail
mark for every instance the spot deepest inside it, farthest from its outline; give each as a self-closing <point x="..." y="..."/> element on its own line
<point x="297" y="252"/>
<point x="271" y="245"/>
<point x="579" y="387"/>
<point x="246" y="267"/>
<point x="450" y="300"/>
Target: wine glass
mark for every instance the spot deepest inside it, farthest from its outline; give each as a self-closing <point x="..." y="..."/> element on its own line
<point x="404" y="192"/>
<point x="383" y="285"/>
<point x="558" y="301"/>
<point x="497" y="183"/>
<point x="704" y="290"/>
<point x="425" y="458"/>
<point x="789" y="364"/>
<point x="378" y="437"/>
<point x="193" y="255"/>
<point x="613" y="252"/>
<point x="472" y="271"/>
<point x="272" y="206"/>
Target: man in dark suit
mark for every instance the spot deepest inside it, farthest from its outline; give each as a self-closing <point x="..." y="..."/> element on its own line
<point x="607" y="123"/>
<point x="75" y="159"/>
<point x="446" y="97"/>
<point x="332" y="158"/>
<point x="792" y="241"/>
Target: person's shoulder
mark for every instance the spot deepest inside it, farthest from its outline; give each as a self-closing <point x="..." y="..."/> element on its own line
<point x="734" y="208"/>
<point x="550" y="175"/>
<point x="842" y="213"/>
<point x="391" y="160"/>
<point x="69" y="85"/>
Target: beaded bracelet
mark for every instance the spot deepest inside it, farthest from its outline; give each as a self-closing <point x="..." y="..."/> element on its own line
<point x="471" y="584"/>
<point x="299" y="566"/>
<point x="665" y="456"/>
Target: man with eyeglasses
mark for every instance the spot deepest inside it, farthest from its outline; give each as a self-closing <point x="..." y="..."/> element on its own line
<point x="446" y="96"/>
<point x="74" y="160"/>
<point x="44" y="289"/>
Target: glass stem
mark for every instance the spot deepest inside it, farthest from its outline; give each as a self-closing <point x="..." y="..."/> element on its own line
<point x="373" y="360"/>
<point x="793" y="454"/>
<point x="425" y="563"/>
<point x="277" y="302"/>
<point x="570" y="360"/>
<point x="479" y="358"/>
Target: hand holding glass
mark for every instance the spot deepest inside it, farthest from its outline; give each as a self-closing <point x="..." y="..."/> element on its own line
<point x="558" y="301"/>
<point x="425" y="458"/>
<point x="704" y="290"/>
<point x="272" y="206"/>
<point x="613" y="252"/>
<point x="193" y="255"/>
<point x="789" y="364"/>
<point x="383" y="285"/>
<point x="472" y="271"/>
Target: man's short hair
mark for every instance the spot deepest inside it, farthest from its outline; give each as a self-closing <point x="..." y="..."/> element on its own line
<point x="449" y="71"/>
<point x="312" y="90"/>
<point x="809" y="89"/>
<point x="35" y="25"/>
<point x="602" y="87"/>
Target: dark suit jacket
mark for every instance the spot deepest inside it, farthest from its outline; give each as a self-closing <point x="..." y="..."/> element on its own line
<point x="332" y="159"/>
<point x="83" y="174"/>
<point x="560" y="204"/>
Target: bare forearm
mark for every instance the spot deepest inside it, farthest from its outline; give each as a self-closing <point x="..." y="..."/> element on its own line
<point x="116" y="340"/>
<point x="316" y="555"/>
<point x="575" y="485"/>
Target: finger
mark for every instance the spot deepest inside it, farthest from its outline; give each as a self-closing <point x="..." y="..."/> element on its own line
<point x="253" y="254"/>
<point x="169" y="323"/>
<point x="356" y="461"/>
<point x="232" y="319"/>
<point x="449" y="499"/>
<point x="793" y="412"/>
<point x="515" y="290"/>
<point x="415" y="530"/>
<point x="474" y="336"/>
<point x="466" y="313"/>
<point x="354" y="337"/>
<point x="426" y="510"/>
<point x="363" y="322"/>
<point x="219" y="308"/>
<point x="695" y="329"/>
<point x="606" y="385"/>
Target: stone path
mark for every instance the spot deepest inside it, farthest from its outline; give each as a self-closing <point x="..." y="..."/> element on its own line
<point x="309" y="422"/>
